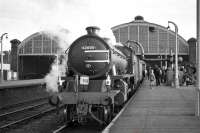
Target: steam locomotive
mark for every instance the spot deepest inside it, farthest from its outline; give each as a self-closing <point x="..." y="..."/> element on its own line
<point x="100" y="78"/>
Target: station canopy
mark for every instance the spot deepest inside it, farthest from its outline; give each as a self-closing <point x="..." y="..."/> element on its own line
<point x="39" y="44"/>
<point x="155" y="39"/>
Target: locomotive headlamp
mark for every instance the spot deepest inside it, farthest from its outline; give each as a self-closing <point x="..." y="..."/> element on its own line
<point x="84" y="80"/>
<point x="108" y="81"/>
<point x="105" y="111"/>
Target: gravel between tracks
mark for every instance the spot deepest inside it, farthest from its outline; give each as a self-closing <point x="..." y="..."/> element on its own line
<point x="45" y="124"/>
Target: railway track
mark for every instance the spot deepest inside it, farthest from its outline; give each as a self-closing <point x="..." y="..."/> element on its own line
<point x="21" y="104"/>
<point x="91" y="127"/>
<point x="17" y="114"/>
<point x="38" y="116"/>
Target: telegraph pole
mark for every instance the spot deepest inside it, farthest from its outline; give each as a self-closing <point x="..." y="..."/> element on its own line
<point x="197" y="110"/>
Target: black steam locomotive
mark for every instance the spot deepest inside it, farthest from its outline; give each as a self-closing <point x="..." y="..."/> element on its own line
<point x="100" y="78"/>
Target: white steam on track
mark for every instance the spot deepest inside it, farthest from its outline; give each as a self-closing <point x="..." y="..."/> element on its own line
<point x="59" y="66"/>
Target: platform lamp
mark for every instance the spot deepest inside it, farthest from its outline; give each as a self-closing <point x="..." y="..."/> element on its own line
<point x="176" y="53"/>
<point x="1" y="41"/>
<point x="165" y="58"/>
<point x="171" y="58"/>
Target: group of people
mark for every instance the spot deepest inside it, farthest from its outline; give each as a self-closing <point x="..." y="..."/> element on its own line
<point x="158" y="75"/>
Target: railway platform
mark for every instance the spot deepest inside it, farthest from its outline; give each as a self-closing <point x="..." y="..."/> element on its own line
<point x="19" y="91"/>
<point x="20" y="83"/>
<point x="163" y="109"/>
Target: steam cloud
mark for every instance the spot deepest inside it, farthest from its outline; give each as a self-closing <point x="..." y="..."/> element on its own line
<point x="59" y="66"/>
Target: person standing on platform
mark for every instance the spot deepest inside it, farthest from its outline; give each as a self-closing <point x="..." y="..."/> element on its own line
<point x="170" y="76"/>
<point x="152" y="78"/>
<point x="148" y="72"/>
<point x="157" y="72"/>
<point x="163" y="76"/>
<point x="180" y="76"/>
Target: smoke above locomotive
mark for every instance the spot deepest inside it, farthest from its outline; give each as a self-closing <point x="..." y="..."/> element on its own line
<point x="94" y="56"/>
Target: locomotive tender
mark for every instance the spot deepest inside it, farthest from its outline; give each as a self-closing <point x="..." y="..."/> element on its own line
<point x="100" y="78"/>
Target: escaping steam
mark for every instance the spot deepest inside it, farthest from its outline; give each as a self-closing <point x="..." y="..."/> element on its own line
<point x="52" y="78"/>
<point x="59" y="66"/>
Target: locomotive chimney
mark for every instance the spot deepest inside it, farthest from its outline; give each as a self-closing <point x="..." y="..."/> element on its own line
<point x="93" y="30"/>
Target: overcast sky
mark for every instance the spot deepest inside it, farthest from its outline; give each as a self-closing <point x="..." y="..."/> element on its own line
<point x="21" y="18"/>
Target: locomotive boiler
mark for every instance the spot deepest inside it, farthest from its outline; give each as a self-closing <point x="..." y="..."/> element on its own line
<point x="100" y="78"/>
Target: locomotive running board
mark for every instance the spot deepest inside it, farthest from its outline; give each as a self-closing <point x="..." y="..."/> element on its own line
<point x="122" y="76"/>
<point x="88" y="97"/>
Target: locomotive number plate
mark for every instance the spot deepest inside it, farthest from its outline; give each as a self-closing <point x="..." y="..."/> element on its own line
<point x="84" y="80"/>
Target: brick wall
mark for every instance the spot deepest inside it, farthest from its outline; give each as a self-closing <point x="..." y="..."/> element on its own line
<point x="14" y="47"/>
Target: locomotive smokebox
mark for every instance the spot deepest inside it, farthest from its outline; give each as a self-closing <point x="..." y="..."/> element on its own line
<point x="94" y="56"/>
<point x="93" y="30"/>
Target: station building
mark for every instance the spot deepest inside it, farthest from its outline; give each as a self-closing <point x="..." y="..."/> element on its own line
<point x="32" y="58"/>
<point x="158" y="41"/>
<point x="35" y="54"/>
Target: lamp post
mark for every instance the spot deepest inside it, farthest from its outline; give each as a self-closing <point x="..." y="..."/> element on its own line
<point x="166" y="59"/>
<point x="1" y="39"/>
<point x="176" y="54"/>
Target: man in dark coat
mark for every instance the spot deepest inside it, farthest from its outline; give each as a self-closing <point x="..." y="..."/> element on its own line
<point x="157" y="72"/>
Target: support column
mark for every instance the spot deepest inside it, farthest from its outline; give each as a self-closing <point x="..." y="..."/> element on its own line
<point x="197" y="108"/>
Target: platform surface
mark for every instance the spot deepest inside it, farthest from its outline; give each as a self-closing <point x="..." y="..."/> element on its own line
<point x="20" y="83"/>
<point x="162" y="109"/>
